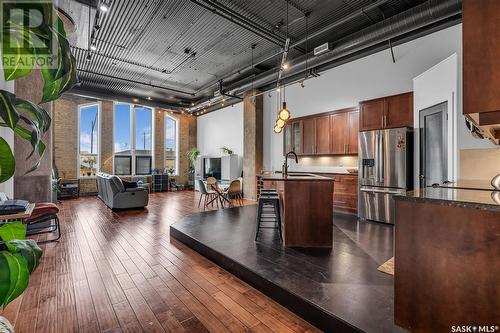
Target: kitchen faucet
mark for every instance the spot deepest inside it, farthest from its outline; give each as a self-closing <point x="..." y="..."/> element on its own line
<point x="285" y="164"/>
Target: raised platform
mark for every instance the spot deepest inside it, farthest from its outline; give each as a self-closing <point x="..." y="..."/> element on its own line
<point x="337" y="291"/>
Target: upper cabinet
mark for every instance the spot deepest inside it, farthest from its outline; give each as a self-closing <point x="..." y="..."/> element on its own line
<point x="387" y="112"/>
<point x="481" y="56"/>
<point x="332" y="133"/>
<point x="322" y="135"/>
<point x="292" y="137"/>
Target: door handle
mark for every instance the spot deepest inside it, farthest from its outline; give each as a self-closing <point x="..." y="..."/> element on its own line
<point x="369" y="190"/>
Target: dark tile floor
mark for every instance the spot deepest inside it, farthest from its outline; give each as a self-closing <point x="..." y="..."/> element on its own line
<point x="340" y="289"/>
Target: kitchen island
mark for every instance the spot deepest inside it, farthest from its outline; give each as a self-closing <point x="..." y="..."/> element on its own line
<point x="446" y="274"/>
<point x="306" y="202"/>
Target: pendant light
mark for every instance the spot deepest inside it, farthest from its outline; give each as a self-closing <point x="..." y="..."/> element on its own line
<point x="284" y="113"/>
<point x="280" y="123"/>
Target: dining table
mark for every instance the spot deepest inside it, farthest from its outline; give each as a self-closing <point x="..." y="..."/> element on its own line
<point x="219" y="189"/>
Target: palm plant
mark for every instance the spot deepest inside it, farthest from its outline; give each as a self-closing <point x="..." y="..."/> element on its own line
<point x="24" y="48"/>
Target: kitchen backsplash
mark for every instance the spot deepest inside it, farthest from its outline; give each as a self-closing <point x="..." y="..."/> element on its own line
<point x="327" y="164"/>
<point x="480" y="164"/>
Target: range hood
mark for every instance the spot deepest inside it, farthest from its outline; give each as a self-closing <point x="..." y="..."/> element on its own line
<point x="485" y="125"/>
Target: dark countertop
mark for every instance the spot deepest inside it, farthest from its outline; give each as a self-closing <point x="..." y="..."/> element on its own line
<point x="465" y="198"/>
<point x="470" y="184"/>
<point x="294" y="177"/>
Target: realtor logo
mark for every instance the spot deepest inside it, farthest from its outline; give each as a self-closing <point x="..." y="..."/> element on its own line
<point x="474" y="328"/>
<point x="25" y="34"/>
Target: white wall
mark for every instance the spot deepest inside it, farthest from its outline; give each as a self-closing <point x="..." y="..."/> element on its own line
<point x="436" y="85"/>
<point x="223" y="127"/>
<point x="366" y="78"/>
<point x="8" y="186"/>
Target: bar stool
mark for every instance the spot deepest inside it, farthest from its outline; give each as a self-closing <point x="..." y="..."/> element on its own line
<point x="272" y="201"/>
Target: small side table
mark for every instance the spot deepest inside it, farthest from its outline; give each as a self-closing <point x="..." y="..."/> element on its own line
<point x="19" y="216"/>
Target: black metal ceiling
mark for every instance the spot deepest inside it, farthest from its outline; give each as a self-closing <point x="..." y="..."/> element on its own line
<point x="176" y="51"/>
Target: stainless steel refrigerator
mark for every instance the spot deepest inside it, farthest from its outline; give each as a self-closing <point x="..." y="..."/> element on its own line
<point x="385" y="169"/>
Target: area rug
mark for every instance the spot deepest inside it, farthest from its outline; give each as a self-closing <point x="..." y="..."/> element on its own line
<point x="387" y="267"/>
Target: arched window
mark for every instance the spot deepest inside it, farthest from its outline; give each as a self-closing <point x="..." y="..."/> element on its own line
<point x="171" y="145"/>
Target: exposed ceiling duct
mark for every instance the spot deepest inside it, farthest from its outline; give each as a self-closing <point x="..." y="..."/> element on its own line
<point x="417" y="17"/>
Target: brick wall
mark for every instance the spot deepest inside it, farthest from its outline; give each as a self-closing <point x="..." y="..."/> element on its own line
<point x="66" y="140"/>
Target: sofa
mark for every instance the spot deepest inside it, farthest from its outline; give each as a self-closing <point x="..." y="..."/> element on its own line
<point x="112" y="192"/>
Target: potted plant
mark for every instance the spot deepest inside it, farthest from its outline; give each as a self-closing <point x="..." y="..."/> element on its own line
<point x="52" y="59"/>
<point x="226" y="150"/>
<point x="193" y="154"/>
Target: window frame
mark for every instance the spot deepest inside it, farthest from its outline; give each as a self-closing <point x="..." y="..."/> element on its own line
<point x="98" y="159"/>
<point x="132" y="129"/>
<point x="176" y="120"/>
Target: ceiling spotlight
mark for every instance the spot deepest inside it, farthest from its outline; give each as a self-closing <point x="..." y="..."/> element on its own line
<point x="89" y="57"/>
<point x="148" y="98"/>
<point x="192" y="103"/>
<point x="285" y="66"/>
<point x="302" y="84"/>
<point x="222" y="103"/>
<point x="136" y="100"/>
<point x="104" y="7"/>
<point x="93" y="47"/>
<point x="278" y="89"/>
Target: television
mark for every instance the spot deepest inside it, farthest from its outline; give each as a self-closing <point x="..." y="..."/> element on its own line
<point x="212" y="167"/>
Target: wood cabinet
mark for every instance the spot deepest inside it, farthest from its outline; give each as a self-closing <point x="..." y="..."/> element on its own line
<point x="308" y="136"/>
<point x="353" y="126"/>
<point x="292" y="137"/>
<point x="386" y="112"/>
<point x="481" y="56"/>
<point x="339" y="131"/>
<point x="330" y="133"/>
<point x="345" y="193"/>
<point x="322" y="135"/>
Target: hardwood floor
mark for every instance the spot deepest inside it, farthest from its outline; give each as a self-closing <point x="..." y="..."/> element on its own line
<point x="121" y="272"/>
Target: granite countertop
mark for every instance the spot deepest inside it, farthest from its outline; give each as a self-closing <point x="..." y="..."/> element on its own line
<point x="466" y="198"/>
<point x="470" y="184"/>
<point x="294" y="177"/>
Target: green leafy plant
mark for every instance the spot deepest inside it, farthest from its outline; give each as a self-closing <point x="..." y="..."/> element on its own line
<point x="226" y="150"/>
<point x="193" y="154"/>
<point x="19" y="257"/>
<point x="26" y="47"/>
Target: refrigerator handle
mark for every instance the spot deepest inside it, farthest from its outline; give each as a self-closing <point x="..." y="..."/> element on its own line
<point x="382" y="155"/>
<point x="376" y="155"/>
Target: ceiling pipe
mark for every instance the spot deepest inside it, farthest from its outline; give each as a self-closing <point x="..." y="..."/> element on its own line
<point x="94" y="94"/>
<point x="186" y="93"/>
<point x="417" y="17"/>
<point x="240" y="20"/>
<point x="221" y="91"/>
<point x="315" y="34"/>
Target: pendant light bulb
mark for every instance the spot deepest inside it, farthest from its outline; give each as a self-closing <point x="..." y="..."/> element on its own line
<point x="284" y="113"/>
<point x="277" y="129"/>
<point x="280" y="123"/>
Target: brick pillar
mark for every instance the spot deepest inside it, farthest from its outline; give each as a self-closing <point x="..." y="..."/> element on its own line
<point x="106" y="139"/>
<point x="35" y="186"/>
<point x="159" y="139"/>
<point x="252" y="143"/>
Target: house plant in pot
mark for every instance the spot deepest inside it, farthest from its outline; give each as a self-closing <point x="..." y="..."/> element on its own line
<point x="27" y="50"/>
